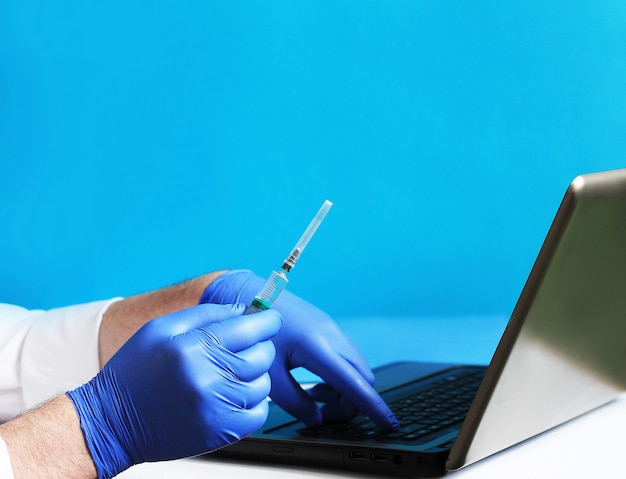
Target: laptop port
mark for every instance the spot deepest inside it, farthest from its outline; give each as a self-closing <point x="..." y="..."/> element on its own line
<point x="379" y="457"/>
<point x="357" y="456"/>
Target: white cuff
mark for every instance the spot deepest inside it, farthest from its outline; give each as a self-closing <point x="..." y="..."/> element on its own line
<point x="6" y="470"/>
<point x="61" y="351"/>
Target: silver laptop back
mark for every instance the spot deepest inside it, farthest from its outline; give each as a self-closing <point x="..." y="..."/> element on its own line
<point x="564" y="350"/>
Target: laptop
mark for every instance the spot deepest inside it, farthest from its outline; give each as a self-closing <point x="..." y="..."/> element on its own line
<point x="562" y="354"/>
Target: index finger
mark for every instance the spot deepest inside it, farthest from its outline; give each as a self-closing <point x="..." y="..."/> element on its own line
<point x="241" y="332"/>
<point x="342" y="376"/>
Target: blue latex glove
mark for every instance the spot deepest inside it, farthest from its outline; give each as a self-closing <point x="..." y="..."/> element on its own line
<point x="309" y="338"/>
<point x="184" y="384"/>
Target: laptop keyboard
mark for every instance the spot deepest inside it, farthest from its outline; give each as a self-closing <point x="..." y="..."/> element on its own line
<point x="442" y="405"/>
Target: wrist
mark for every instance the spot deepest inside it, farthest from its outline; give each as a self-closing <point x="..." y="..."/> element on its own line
<point x="124" y="318"/>
<point x="95" y="418"/>
<point x="48" y="442"/>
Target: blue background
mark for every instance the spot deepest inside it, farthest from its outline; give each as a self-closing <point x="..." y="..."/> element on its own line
<point x="142" y="143"/>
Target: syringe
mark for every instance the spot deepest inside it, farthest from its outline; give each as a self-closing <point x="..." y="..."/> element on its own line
<point x="278" y="279"/>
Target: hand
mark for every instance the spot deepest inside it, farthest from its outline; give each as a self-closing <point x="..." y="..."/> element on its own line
<point x="184" y="384"/>
<point x="310" y="339"/>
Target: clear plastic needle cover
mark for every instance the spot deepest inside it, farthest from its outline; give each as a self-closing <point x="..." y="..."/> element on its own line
<point x="306" y="236"/>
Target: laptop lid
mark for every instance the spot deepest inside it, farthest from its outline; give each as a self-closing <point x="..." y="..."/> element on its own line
<point x="563" y="352"/>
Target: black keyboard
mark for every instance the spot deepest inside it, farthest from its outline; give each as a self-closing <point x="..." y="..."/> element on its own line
<point x="441" y="405"/>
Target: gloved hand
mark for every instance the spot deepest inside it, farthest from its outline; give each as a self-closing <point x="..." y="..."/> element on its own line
<point x="184" y="384"/>
<point x="309" y="338"/>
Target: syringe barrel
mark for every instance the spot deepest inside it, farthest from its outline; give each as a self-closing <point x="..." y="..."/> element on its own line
<point x="268" y="293"/>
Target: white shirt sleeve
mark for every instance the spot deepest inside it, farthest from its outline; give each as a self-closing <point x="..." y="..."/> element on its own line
<point x="6" y="470"/>
<point x="43" y="353"/>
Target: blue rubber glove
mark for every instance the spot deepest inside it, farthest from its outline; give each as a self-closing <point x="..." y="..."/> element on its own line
<point x="309" y="338"/>
<point x="184" y="384"/>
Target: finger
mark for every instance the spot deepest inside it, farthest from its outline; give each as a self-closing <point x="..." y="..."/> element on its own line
<point x="256" y="416"/>
<point x="333" y="401"/>
<point x="247" y="395"/>
<point x="196" y="317"/>
<point x="232" y="286"/>
<point x="322" y="392"/>
<point x="337" y="407"/>
<point x="239" y="333"/>
<point x="254" y="361"/>
<point x="288" y="394"/>
<point x="358" y="361"/>
<point x="239" y="423"/>
<point x="340" y="410"/>
<point x="341" y="375"/>
<point x="348" y="407"/>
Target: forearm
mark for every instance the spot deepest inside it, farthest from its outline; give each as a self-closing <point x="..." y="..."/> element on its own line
<point x="124" y="318"/>
<point x="48" y="442"/>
